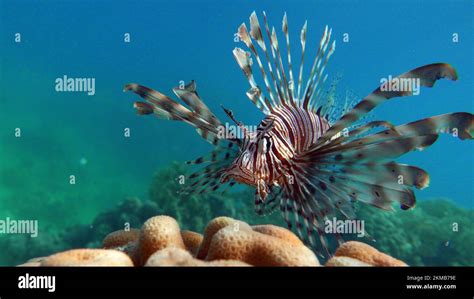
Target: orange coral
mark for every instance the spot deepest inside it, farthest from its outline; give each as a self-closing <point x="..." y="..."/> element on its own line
<point x="213" y="227"/>
<point x="120" y="238"/>
<point x="157" y="233"/>
<point x="226" y="242"/>
<point x="34" y="262"/>
<point x="367" y="254"/>
<point x="344" y="261"/>
<point x="125" y="241"/>
<point x="179" y="257"/>
<point x="192" y="241"/>
<point x="87" y="257"/>
<point x="278" y="232"/>
<point x="258" y="249"/>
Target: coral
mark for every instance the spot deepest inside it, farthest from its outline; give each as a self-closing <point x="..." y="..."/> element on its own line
<point x="120" y="238"/>
<point x="132" y="250"/>
<point x="226" y="242"/>
<point x="367" y="254"/>
<point x="258" y="249"/>
<point x="225" y="263"/>
<point x="425" y="235"/>
<point x="157" y="233"/>
<point x="192" y="241"/>
<point x="170" y="257"/>
<point x="178" y="257"/>
<point x="87" y="257"/>
<point x="212" y="228"/>
<point x="278" y="232"/>
<point x="344" y="261"/>
<point x="34" y="262"/>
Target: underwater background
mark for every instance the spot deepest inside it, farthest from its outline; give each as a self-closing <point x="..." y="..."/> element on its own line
<point x="120" y="179"/>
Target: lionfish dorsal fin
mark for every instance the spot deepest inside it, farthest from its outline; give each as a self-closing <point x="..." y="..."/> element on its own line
<point x="278" y="85"/>
<point x="275" y="45"/>
<point x="283" y="88"/>
<point x="245" y="64"/>
<point x="290" y="67"/>
<point x="303" y="48"/>
<point x="319" y="65"/>
<point x="256" y="31"/>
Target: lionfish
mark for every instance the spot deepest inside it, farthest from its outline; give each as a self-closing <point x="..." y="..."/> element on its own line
<point x="299" y="159"/>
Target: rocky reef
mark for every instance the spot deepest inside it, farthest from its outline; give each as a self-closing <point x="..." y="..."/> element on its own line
<point x="436" y="233"/>
<point x="225" y="242"/>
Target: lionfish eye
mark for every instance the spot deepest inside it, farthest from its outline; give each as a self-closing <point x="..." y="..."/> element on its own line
<point x="269" y="141"/>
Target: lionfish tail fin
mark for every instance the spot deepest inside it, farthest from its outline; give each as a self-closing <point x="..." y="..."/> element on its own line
<point x="281" y="89"/>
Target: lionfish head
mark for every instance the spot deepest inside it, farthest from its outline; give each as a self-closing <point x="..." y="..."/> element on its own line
<point x="248" y="166"/>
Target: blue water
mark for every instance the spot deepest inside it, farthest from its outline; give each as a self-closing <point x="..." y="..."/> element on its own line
<point x="184" y="40"/>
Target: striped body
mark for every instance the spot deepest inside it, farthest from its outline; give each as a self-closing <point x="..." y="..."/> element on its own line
<point x="266" y="155"/>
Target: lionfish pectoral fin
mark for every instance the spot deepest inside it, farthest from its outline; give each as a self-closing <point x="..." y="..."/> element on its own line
<point x="329" y="179"/>
<point x="208" y="126"/>
<point x="262" y="189"/>
<point x="362" y="169"/>
<point x="197" y="114"/>
<point x="215" y="174"/>
<point x="303" y="211"/>
<point x="458" y="124"/>
<point x="427" y="76"/>
<point x="266" y="206"/>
